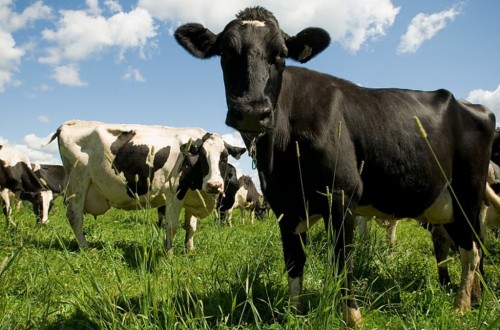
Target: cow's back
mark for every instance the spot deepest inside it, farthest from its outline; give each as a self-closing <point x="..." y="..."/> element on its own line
<point x="377" y="128"/>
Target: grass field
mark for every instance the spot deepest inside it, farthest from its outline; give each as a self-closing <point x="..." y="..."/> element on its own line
<point x="235" y="279"/>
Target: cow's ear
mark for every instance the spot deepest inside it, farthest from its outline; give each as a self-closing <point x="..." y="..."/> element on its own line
<point x="197" y="40"/>
<point x="236" y="152"/>
<point x="307" y="44"/>
<point x="192" y="147"/>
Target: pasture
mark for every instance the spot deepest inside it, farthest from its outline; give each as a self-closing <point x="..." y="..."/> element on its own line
<point x="235" y="279"/>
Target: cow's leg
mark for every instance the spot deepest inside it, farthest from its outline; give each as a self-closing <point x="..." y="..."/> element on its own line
<point x="77" y="187"/>
<point x="7" y="210"/>
<point x="252" y="216"/>
<point x="190" y="223"/>
<point x="468" y="285"/>
<point x="75" y="217"/>
<point x="172" y="211"/>
<point x="390" y="233"/>
<point x="229" y="217"/>
<point x="466" y="232"/>
<point x="295" y="259"/>
<point x="342" y="223"/>
<point x="242" y="214"/>
<point x="362" y="223"/>
<point x="441" y="242"/>
<point x="161" y="216"/>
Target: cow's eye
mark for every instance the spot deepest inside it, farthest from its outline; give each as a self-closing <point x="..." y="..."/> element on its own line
<point x="280" y="58"/>
<point x="279" y="61"/>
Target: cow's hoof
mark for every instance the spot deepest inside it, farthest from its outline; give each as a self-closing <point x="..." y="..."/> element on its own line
<point x="352" y="316"/>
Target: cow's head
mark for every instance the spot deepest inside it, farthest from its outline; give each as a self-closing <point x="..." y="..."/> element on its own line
<point x="205" y="164"/>
<point x="42" y="202"/>
<point x="253" y="50"/>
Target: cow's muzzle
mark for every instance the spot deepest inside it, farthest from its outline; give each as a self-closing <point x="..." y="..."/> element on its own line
<point x="214" y="187"/>
<point x="251" y="118"/>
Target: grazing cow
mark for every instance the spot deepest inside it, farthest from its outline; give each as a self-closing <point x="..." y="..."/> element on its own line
<point x="17" y="177"/>
<point x="242" y="194"/>
<point x="52" y="177"/>
<point x="133" y="166"/>
<point x="327" y="148"/>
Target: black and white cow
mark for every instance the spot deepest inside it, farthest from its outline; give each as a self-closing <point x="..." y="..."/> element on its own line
<point x="328" y="148"/>
<point x="50" y="176"/>
<point x="130" y="166"/>
<point x="491" y="209"/>
<point x="240" y="193"/>
<point x="17" y="177"/>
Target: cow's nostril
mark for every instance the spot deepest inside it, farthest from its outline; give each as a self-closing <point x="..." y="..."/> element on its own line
<point x="214" y="187"/>
<point x="266" y="113"/>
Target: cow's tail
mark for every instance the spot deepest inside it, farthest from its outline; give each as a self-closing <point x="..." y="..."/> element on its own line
<point x="53" y="137"/>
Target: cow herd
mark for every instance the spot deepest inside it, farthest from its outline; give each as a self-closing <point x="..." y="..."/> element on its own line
<point x="324" y="148"/>
<point x="130" y="167"/>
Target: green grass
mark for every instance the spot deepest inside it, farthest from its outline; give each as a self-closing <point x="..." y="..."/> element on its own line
<point x="235" y="279"/>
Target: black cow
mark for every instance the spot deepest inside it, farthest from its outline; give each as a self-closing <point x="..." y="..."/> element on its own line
<point x="17" y="177"/>
<point x="240" y="193"/>
<point x="328" y="148"/>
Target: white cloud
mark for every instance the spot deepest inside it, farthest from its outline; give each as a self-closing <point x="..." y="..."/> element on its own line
<point x="12" y="21"/>
<point x="36" y="149"/>
<point x="425" y="27"/>
<point x="10" y="57"/>
<point x="68" y="75"/>
<point x="3" y="141"/>
<point x="490" y="99"/>
<point x="234" y="139"/>
<point x="352" y="23"/>
<point x="113" y="6"/>
<point x="93" y="7"/>
<point x="45" y="88"/>
<point x="133" y="74"/>
<point x="39" y="151"/>
<point x="10" y="53"/>
<point x="43" y="119"/>
<point x="80" y="35"/>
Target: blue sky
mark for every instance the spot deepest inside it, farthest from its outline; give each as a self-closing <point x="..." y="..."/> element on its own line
<point x="117" y="61"/>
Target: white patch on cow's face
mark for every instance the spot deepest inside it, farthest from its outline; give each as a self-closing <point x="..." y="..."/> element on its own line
<point x="213" y="146"/>
<point x="254" y="23"/>
<point x="47" y="197"/>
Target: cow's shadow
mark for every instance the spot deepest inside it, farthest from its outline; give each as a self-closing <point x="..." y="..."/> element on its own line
<point x="140" y="256"/>
<point x="78" y="320"/>
<point x="232" y="302"/>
